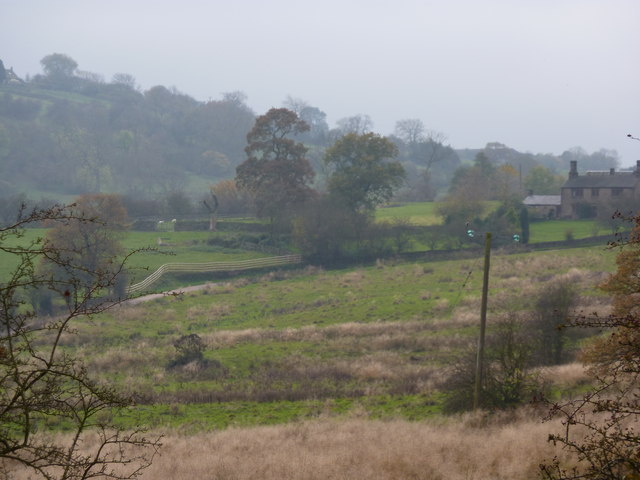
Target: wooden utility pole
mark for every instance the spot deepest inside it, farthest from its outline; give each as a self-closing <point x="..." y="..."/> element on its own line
<point x="483" y="321"/>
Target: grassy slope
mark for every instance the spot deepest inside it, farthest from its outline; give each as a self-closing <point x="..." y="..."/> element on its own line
<point x="286" y="347"/>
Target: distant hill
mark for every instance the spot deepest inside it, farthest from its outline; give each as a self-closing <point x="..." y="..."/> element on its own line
<point x="110" y="137"/>
<point x="69" y="132"/>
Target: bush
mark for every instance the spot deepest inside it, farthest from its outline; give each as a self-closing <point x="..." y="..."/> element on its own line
<point x="550" y="312"/>
<point x="507" y="379"/>
<point x="189" y="348"/>
<point x="568" y="235"/>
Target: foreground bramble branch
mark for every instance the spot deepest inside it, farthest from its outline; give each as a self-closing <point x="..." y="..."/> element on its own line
<point x="602" y="427"/>
<point x="43" y="389"/>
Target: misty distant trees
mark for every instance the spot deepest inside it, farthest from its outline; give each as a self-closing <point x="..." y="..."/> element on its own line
<point x="112" y="137"/>
<point x="542" y="181"/>
<point x="430" y="164"/>
<point x="58" y="66"/>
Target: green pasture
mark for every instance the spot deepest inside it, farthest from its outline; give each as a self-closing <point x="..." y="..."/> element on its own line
<point x="556" y="230"/>
<point x="191" y="418"/>
<point x="425" y="214"/>
<point x="158" y="248"/>
<point x="416" y="213"/>
<point x="298" y="344"/>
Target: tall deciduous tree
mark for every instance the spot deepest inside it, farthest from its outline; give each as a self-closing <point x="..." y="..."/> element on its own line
<point x="365" y="174"/>
<point x="276" y="171"/>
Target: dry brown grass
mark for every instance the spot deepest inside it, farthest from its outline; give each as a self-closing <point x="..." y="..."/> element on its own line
<point x="377" y="333"/>
<point x="211" y="312"/>
<point x="360" y="449"/>
<point x="567" y="375"/>
<point x="470" y="447"/>
<point x="352" y="279"/>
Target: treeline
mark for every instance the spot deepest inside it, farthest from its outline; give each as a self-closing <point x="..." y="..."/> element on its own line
<point x="66" y="131"/>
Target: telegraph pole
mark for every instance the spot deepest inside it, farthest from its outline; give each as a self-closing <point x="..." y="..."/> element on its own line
<point x="483" y="321"/>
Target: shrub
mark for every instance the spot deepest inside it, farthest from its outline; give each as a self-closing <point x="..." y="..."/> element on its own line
<point x="550" y="312"/>
<point x="507" y="378"/>
<point x="189" y="348"/>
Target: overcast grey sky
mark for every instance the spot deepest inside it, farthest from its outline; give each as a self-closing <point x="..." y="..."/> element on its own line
<point x="538" y="75"/>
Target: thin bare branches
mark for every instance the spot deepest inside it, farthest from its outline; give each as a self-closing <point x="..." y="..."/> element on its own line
<point x="43" y="389"/>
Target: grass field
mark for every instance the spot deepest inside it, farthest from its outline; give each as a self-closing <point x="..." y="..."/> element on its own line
<point x="417" y="213"/>
<point x="320" y="361"/>
<point x="555" y="230"/>
<point x="295" y="345"/>
<point x="193" y="247"/>
<point x="178" y="247"/>
<point x="425" y="214"/>
<point x="182" y="247"/>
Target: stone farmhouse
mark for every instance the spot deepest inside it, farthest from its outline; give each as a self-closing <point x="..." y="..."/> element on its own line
<point x="582" y="195"/>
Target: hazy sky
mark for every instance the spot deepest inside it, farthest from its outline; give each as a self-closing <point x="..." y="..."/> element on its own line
<point x="538" y="75"/>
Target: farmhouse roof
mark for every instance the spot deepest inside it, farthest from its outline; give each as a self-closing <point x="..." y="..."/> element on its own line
<point x="542" y="201"/>
<point x="603" y="180"/>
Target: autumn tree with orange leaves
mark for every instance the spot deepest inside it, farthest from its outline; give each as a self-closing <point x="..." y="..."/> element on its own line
<point x="603" y="427"/>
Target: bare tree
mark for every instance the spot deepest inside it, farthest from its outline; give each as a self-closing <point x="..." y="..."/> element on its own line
<point x="410" y="130"/>
<point x="41" y="384"/>
<point x="296" y="105"/>
<point x="357" y="124"/>
<point x="432" y="149"/>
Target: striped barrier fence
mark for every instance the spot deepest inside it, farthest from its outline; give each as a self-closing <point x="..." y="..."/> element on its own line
<point x="211" y="267"/>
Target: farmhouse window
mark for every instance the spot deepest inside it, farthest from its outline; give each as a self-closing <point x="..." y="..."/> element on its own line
<point x="616" y="192"/>
<point x="595" y="192"/>
<point x="577" y="192"/>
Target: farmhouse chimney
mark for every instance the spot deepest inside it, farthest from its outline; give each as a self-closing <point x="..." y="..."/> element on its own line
<point x="637" y="172"/>
<point x="612" y="171"/>
<point x="573" y="169"/>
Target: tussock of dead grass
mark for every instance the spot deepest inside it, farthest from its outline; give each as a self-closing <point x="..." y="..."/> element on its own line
<point x="360" y="449"/>
<point x="120" y="358"/>
<point x="569" y="374"/>
<point x="461" y="317"/>
<point x="352" y="278"/>
<point x="213" y="311"/>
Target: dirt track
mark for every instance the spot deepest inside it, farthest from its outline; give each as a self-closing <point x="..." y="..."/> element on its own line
<point x="176" y="292"/>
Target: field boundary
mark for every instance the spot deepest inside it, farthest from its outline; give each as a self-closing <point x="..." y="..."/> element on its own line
<point x="211" y="267"/>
